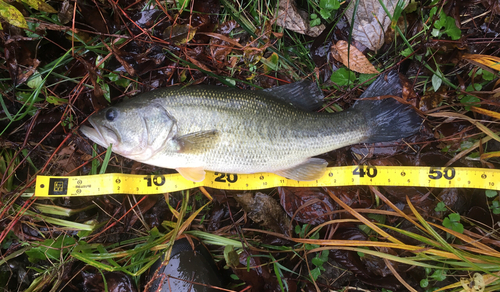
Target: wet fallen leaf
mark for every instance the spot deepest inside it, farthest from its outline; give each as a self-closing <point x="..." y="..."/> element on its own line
<point x="179" y="34"/>
<point x="40" y="5"/>
<point x="352" y="58"/>
<point x="432" y="99"/>
<point x="254" y="50"/>
<point x="371" y="21"/>
<point x="307" y="205"/>
<point x="264" y="210"/>
<point x="270" y="63"/>
<point x="12" y="15"/>
<point x="493" y="5"/>
<point x="206" y="16"/>
<point x="220" y="44"/>
<point x="293" y="19"/>
<point x="66" y="13"/>
<point x="476" y="284"/>
<point x="96" y="16"/>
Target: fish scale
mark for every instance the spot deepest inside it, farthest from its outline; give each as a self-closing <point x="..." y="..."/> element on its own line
<point x="277" y="135"/>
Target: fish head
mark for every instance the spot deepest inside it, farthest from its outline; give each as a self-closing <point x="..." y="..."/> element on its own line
<point x="137" y="131"/>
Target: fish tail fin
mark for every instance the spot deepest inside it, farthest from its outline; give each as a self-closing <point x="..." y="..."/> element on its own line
<point x="388" y="119"/>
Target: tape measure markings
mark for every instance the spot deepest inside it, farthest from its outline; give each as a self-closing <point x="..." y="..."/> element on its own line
<point x="410" y="176"/>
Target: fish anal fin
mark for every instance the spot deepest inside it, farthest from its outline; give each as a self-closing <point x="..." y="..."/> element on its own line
<point x="311" y="169"/>
<point x="195" y="174"/>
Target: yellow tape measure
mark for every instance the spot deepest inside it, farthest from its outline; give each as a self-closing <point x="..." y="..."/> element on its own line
<point x="416" y="176"/>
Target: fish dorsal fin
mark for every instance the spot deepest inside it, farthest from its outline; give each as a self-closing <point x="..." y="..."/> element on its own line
<point x="197" y="142"/>
<point x="195" y="174"/>
<point x="304" y="95"/>
<point x="311" y="169"/>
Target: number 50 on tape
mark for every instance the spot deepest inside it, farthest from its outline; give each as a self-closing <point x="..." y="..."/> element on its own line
<point x="416" y="176"/>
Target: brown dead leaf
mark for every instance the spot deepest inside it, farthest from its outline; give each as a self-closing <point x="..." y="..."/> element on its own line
<point x="179" y="34"/>
<point x="352" y="58"/>
<point x="264" y="210"/>
<point x="296" y="20"/>
<point x="493" y="5"/>
<point x="65" y="14"/>
<point x="371" y="20"/>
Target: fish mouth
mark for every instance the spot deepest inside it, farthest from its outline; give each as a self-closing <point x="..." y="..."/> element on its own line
<point x="95" y="134"/>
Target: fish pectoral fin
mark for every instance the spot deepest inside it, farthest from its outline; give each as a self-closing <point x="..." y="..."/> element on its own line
<point x="197" y="142"/>
<point x="195" y="174"/>
<point x="311" y="169"/>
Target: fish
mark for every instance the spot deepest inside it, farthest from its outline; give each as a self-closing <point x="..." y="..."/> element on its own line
<point x="228" y="130"/>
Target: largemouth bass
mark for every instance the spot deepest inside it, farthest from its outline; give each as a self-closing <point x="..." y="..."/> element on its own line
<point x="198" y="128"/>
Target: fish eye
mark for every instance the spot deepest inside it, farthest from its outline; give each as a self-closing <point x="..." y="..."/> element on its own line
<point x="111" y="114"/>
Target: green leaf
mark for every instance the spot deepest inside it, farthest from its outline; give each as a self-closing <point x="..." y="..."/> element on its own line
<point x="56" y="100"/>
<point x="182" y="4"/>
<point x="441" y="22"/>
<point x="364" y="77"/>
<point x="343" y="76"/>
<point x="329" y="4"/>
<point x="451" y="29"/>
<point x="30" y="32"/>
<point x="495" y="207"/>
<point x="35" y="80"/>
<point x="469" y="99"/>
<point x="12" y="15"/>
<point x="324" y="255"/>
<point x="315" y="22"/>
<point x="424" y="283"/>
<point x="439" y="275"/>
<point x="412" y="7"/>
<point x="50" y="249"/>
<point x="297" y="230"/>
<point x="474" y="87"/>
<point x="315" y="273"/>
<point x="406" y="52"/>
<point x="453" y="222"/>
<point x="440" y="207"/>
<point x="491" y="193"/>
<point x="436" y="82"/>
<point x="317" y="261"/>
<point x="325" y="13"/>
<point x="488" y="76"/>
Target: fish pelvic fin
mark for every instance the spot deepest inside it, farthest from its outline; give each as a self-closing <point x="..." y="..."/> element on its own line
<point x="195" y="174"/>
<point x="311" y="169"/>
<point x="389" y="119"/>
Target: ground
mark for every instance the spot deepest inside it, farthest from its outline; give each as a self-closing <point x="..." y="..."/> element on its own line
<point x="69" y="59"/>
